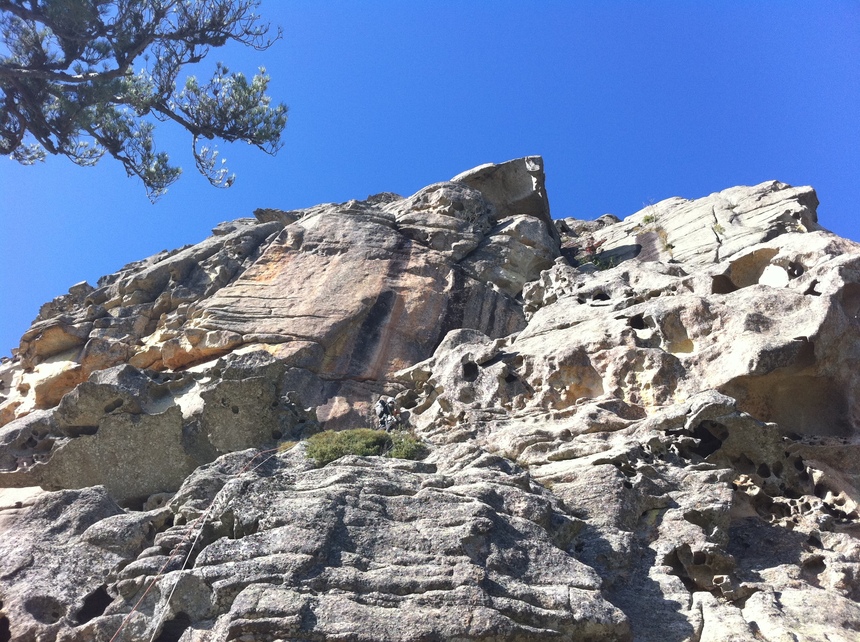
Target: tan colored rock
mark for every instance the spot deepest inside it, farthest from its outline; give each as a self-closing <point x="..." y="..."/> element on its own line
<point x="52" y="379"/>
<point x="356" y="290"/>
<point x="196" y="345"/>
<point x="369" y="296"/>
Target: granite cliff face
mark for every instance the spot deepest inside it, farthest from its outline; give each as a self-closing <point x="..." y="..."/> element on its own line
<point x="636" y="430"/>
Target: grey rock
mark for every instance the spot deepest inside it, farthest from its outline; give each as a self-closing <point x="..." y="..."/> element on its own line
<point x="139" y="433"/>
<point x="470" y="548"/>
<point x="515" y="187"/>
<point x="647" y="431"/>
<point x="714" y="228"/>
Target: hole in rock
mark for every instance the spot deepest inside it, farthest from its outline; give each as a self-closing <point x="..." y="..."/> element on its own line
<point x="511" y="378"/>
<point x="799" y="465"/>
<point x="795" y="269"/>
<point x="637" y="322"/>
<point x="779" y="510"/>
<point x="470" y="371"/>
<point x="173" y="629"/>
<point x="814" y="565"/>
<point x="277" y="434"/>
<point x="600" y="296"/>
<point x="44" y="609"/>
<point x="78" y="431"/>
<point x="409" y="401"/>
<point x="699" y="519"/>
<point x="748" y="269"/>
<point x="134" y="503"/>
<point x="671" y="560"/>
<point x="44" y="446"/>
<point x="580" y="300"/>
<point x="763" y="471"/>
<point x="837" y="513"/>
<point x="94" y="606"/>
<point x="811" y="291"/>
<point x="805" y="355"/>
<point x="820" y="491"/>
<point x="113" y="405"/>
<point x="710" y="435"/>
<point x="5" y="633"/>
<point x="235" y="409"/>
<point x="699" y="558"/>
<point x="721" y="284"/>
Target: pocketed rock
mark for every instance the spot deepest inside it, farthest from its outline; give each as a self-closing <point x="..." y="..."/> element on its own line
<point x="634" y="430"/>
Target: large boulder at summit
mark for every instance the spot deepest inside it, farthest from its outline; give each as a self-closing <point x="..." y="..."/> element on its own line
<point x="635" y="430"/>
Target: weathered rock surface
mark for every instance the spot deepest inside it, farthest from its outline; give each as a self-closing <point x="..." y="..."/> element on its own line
<point x="643" y="429"/>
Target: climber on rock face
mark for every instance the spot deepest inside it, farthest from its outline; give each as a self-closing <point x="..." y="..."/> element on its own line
<point x="386" y="413"/>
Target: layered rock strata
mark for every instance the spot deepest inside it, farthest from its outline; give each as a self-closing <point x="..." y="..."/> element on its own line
<point x="638" y="429"/>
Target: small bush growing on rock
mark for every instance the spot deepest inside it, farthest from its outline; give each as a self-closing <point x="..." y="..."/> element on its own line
<point x="325" y="447"/>
<point x="405" y="446"/>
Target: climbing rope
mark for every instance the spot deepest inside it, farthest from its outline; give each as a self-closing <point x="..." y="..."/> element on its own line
<point x="177" y="549"/>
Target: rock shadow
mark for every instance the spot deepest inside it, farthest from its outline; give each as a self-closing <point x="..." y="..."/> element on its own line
<point x="757" y="545"/>
<point x="653" y="616"/>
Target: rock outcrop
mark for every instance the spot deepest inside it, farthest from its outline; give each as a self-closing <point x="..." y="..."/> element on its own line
<point x="639" y="429"/>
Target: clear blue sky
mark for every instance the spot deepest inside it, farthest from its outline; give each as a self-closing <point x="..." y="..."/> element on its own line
<point x="628" y="102"/>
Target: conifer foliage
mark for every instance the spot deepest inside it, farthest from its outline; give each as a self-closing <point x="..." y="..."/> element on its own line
<point x="82" y="78"/>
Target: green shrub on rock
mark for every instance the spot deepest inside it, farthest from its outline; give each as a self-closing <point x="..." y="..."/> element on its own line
<point x="325" y="447"/>
<point x="405" y="446"/>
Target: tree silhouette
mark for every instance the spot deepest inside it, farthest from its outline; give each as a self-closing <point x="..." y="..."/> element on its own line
<point x="81" y="78"/>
